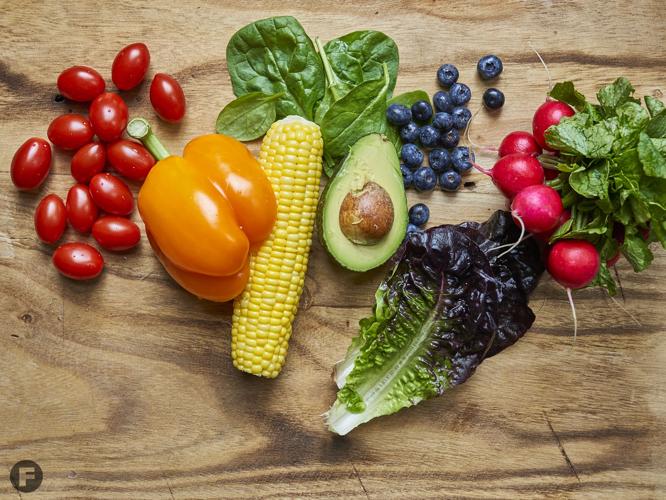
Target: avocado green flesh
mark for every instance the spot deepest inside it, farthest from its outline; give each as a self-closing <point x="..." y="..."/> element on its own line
<point x="372" y="158"/>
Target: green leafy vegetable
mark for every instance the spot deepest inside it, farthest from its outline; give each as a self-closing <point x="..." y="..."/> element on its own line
<point x="657" y="125"/>
<point x="336" y="88"/>
<point x="612" y="96"/>
<point x="343" y="86"/>
<point x="446" y="306"/>
<point x="359" y="113"/>
<point x="359" y="56"/>
<point x="409" y="98"/>
<point x="248" y="117"/>
<point x="565" y="92"/>
<point x="654" y="164"/>
<point x="613" y="172"/>
<point x="654" y="105"/>
<point x="275" y="55"/>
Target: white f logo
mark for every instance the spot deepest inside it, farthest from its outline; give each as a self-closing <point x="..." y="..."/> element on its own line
<point x="25" y="473"/>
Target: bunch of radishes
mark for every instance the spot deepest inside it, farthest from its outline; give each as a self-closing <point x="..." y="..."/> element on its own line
<point x="538" y="208"/>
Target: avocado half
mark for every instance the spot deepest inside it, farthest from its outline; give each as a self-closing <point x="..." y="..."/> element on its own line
<point x="371" y="161"/>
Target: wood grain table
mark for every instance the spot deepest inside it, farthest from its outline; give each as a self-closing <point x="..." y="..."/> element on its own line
<point x="124" y="388"/>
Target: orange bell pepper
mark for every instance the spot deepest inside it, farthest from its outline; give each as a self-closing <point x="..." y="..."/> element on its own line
<point x="204" y="211"/>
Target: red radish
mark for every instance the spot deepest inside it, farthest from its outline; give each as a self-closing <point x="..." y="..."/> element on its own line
<point x="538" y="208"/>
<point x="548" y="114"/>
<point x="519" y="142"/>
<point x="545" y="236"/>
<point x="573" y="263"/>
<point x="513" y="173"/>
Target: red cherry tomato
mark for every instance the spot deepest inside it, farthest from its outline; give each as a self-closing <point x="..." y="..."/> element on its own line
<point x="70" y="131"/>
<point x="167" y="97"/>
<point x="50" y="218"/>
<point x="130" y="66"/>
<point x="80" y="83"/>
<point x="78" y="261"/>
<point x="31" y="163"/>
<point x="81" y="209"/>
<point x="116" y="233"/>
<point x="88" y="161"/>
<point x="130" y="159"/>
<point x="108" y="116"/>
<point x="111" y="194"/>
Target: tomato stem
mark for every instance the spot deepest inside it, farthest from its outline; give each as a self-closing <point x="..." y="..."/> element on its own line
<point x="140" y="129"/>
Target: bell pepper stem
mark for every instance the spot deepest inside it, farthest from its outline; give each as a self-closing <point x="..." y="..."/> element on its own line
<point x="140" y="129"/>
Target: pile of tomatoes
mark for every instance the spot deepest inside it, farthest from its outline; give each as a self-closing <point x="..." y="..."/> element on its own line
<point x="99" y="202"/>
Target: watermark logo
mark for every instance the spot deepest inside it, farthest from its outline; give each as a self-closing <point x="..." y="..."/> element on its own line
<point x="26" y="476"/>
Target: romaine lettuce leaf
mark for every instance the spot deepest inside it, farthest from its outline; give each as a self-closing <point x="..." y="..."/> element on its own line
<point x="448" y="303"/>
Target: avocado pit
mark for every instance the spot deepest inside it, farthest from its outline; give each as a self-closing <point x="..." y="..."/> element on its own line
<point x="366" y="216"/>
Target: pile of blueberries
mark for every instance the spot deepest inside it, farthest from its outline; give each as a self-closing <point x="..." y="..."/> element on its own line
<point x="438" y="132"/>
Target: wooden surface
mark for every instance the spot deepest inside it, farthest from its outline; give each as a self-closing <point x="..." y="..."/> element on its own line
<point x="123" y="387"/>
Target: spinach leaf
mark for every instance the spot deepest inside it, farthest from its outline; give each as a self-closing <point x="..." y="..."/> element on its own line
<point x="409" y="98"/>
<point x="248" y="117"/>
<point x="359" y="56"/>
<point x="336" y="89"/>
<point x="565" y="92"/>
<point x="654" y="164"/>
<point x="359" y="113"/>
<point x="591" y="182"/>
<point x="275" y="55"/>
<point x="654" y="105"/>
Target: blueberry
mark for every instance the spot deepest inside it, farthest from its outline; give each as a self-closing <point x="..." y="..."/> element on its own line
<point x="439" y="160"/>
<point x="419" y="215"/>
<point x="410" y="133"/>
<point x="411" y="155"/>
<point x="429" y="136"/>
<point x="461" y="117"/>
<point x="411" y="228"/>
<point x="462" y="159"/>
<point x="407" y="176"/>
<point x="489" y="67"/>
<point x="450" y="139"/>
<point x="450" y="181"/>
<point x="442" y="101"/>
<point x="397" y="114"/>
<point x="443" y="121"/>
<point x="422" y="111"/>
<point x="447" y="75"/>
<point x="493" y="98"/>
<point x="460" y="94"/>
<point x="425" y="179"/>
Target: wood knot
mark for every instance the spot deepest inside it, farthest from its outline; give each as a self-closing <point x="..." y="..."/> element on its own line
<point x="470" y="184"/>
<point x="26" y="318"/>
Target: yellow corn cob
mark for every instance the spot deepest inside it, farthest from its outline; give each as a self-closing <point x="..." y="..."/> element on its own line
<point x="291" y="155"/>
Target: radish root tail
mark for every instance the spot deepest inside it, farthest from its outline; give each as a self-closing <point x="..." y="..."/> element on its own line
<point x="545" y="66"/>
<point x="514" y="244"/>
<point x="481" y="169"/>
<point x="573" y="314"/>
<point x="624" y="309"/>
<point x="469" y="140"/>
